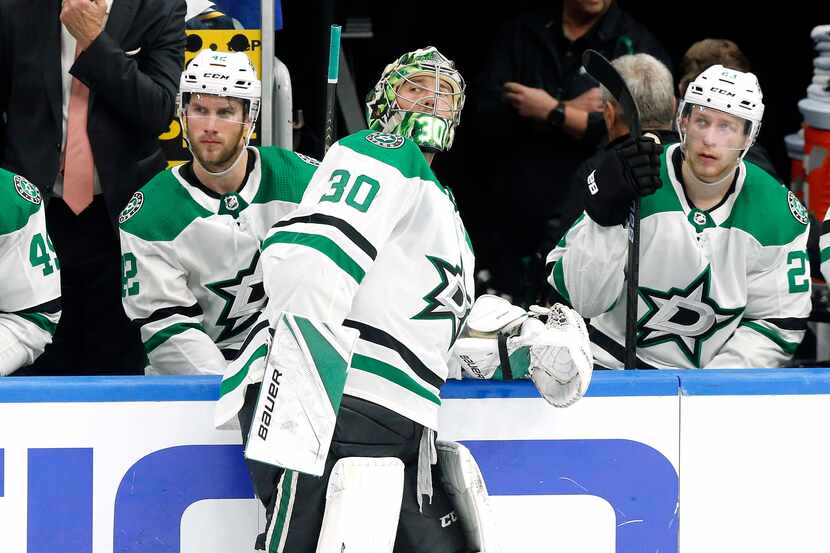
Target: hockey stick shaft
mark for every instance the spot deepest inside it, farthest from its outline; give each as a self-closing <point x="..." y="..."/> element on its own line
<point x="331" y="86"/>
<point x="601" y="69"/>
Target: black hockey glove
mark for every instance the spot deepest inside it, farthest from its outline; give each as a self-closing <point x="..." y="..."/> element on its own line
<point x="628" y="170"/>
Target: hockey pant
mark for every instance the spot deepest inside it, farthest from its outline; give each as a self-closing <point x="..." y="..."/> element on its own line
<point x="295" y="502"/>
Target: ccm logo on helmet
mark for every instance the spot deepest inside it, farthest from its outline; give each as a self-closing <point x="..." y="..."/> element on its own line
<point x="722" y="91"/>
<point x="216" y="76"/>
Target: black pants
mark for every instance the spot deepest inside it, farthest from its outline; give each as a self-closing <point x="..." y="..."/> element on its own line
<point x="363" y="429"/>
<point x="94" y="336"/>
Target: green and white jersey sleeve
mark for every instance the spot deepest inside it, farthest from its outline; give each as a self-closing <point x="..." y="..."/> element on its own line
<point x="191" y="275"/>
<point x="727" y="287"/>
<point x="378" y="245"/>
<point x="30" y="288"/>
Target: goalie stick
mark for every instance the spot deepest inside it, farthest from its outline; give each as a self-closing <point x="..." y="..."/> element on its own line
<point x="331" y="87"/>
<point x="601" y="69"/>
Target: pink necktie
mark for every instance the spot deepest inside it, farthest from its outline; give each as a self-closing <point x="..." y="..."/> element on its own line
<point x="78" y="165"/>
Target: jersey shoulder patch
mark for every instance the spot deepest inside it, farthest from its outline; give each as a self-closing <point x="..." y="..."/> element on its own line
<point x="132" y="207"/>
<point x="161" y="210"/>
<point x="386" y="140"/>
<point x="308" y="159"/>
<point x="27" y="190"/>
<point x="797" y="208"/>
<point x="19" y="200"/>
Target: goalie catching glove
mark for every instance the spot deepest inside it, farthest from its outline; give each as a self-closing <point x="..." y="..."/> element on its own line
<point x="503" y="341"/>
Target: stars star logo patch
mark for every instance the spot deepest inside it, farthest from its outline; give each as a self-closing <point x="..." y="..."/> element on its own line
<point x="244" y="297"/>
<point x="449" y="300"/>
<point x="687" y="317"/>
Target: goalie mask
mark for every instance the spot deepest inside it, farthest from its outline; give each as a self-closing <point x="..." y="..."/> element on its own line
<point x="419" y="96"/>
<point x="718" y="120"/>
<point x="225" y="75"/>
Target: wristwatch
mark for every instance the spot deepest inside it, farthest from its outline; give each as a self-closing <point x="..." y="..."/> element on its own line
<point x="556" y="117"/>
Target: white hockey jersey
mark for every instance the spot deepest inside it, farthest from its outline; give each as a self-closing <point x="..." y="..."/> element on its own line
<point x="191" y="276"/>
<point x="727" y="287"/>
<point x="378" y="245"/>
<point x="30" y="286"/>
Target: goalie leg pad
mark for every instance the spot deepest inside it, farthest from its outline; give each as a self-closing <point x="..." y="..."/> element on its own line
<point x="305" y="374"/>
<point x="465" y="486"/>
<point x="363" y="505"/>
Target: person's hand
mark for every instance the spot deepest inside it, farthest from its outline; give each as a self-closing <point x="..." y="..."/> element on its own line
<point x="84" y="19"/>
<point x="533" y="103"/>
<point x="590" y="100"/>
<point x="628" y="170"/>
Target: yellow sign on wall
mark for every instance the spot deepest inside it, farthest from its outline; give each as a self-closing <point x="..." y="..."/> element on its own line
<point x="248" y="41"/>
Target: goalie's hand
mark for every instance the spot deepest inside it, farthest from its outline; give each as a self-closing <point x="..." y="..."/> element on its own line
<point x="627" y="171"/>
<point x="561" y="362"/>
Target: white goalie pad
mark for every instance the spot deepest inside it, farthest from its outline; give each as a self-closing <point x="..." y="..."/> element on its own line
<point x="467" y="491"/>
<point x="363" y="505"/>
<point x="305" y="374"/>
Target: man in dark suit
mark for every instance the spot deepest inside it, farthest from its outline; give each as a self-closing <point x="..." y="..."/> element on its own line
<point x="87" y="86"/>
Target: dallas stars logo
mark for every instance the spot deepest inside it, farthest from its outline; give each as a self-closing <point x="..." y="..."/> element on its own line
<point x="449" y="300"/>
<point x="688" y="317"/>
<point x="244" y="296"/>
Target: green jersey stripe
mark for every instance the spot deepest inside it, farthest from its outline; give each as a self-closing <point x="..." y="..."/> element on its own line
<point x="788" y="347"/>
<point x="164" y="334"/>
<point x="825" y="254"/>
<point x="322" y="244"/>
<point x="229" y="384"/>
<point x="392" y="374"/>
<point x="40" y="321"/>
<point x="559" y="280"/>
<point x="330" y="365"/>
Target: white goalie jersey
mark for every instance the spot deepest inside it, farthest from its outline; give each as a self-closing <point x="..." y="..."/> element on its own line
<point x="377" y="244"/>
<point x="728" y="287"/>
<point x="191" y="275"/>
<point x="30" y="287"/>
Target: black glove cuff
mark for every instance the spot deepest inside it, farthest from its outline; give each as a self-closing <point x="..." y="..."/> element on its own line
<point x="608" y="191"/>
<point x="504" y="358"/>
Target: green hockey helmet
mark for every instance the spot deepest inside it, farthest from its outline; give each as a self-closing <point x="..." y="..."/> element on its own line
<point x="407" y="102"/>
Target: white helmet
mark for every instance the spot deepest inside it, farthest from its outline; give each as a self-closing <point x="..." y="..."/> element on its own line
<point x="221" y="74"/>
<point x="727" y="90"/>
<point x="228" y="74"/>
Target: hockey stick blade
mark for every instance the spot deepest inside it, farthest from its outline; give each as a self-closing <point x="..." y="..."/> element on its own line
<point x="601" y="69"/>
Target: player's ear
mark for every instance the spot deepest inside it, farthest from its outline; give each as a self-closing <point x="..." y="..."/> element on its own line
<point x="610" y="115"/>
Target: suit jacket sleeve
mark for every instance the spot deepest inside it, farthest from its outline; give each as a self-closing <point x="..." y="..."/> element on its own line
<point x="141" y="87"/>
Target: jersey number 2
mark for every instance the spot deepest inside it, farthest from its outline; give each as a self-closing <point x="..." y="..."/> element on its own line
<point x="129" y="270"/>
<point x="361" y="194"/>
<point x="797" y="275"/>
